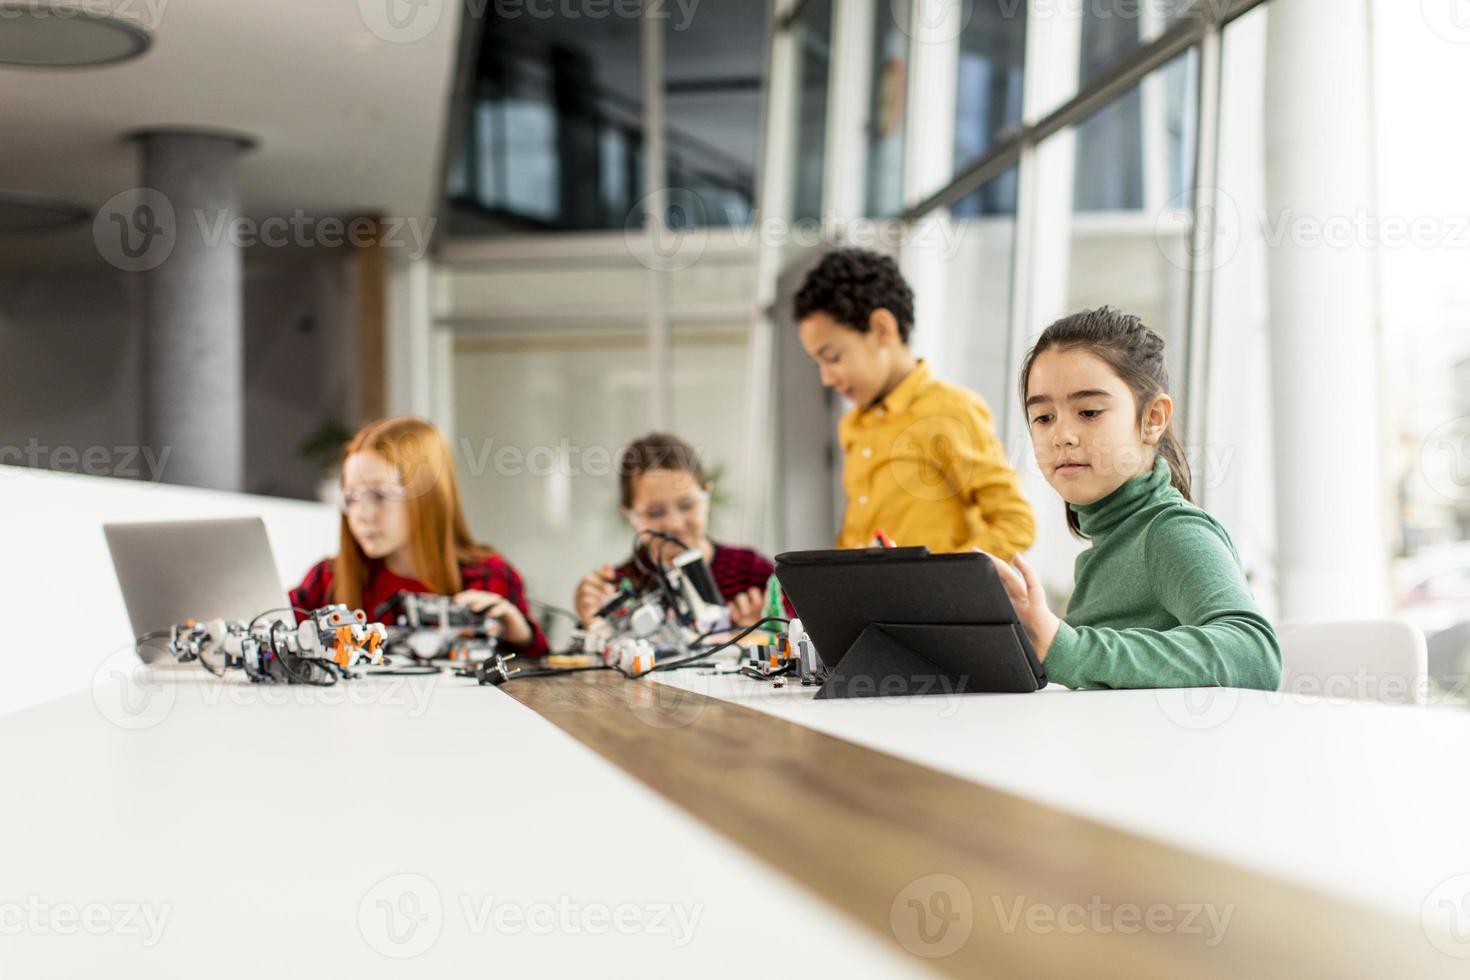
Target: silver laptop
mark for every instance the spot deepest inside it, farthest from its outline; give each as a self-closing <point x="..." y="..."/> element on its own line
<point x="171" y="571"/>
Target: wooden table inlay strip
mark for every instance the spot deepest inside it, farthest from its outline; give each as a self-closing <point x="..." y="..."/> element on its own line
<point x="968" y="879"/>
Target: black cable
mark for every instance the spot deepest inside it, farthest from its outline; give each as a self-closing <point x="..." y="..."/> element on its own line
<point x="661" y="577"/>
<point x="733" y="641"/>
<point x="290" y="609"/>
<point x="549" y="609"/>
<point x="554" y="671"/>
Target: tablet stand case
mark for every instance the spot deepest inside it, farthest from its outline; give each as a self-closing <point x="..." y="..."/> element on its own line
<point x="896" y="660"/>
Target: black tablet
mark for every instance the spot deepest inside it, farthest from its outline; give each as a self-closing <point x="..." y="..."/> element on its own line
<point x="900" y="621"/>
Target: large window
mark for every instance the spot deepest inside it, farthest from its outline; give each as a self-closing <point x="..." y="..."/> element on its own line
<point x="1102" y="186"/>
<point x="992" y="52"/>
<point x="554" y="131"/>
<point x="888" y="109"/>
<point x="1047" y="158"/>
<point x="814" y="62"/>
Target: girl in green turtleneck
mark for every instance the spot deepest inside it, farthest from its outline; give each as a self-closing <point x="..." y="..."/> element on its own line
<point x="1160" y="600"/>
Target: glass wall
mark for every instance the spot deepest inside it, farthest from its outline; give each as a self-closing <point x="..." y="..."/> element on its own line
<point x="1102" y="233"/>
<point x="888" y="109"/>
<point x="991" y="59"/>
<point x="714" y="64"/>
<point x="553" y="134"/>
<point x="540" y="416"/>
<point x="963" y="325"/>
<point x="1046" y="200"/>
<point x="813" y="30"/>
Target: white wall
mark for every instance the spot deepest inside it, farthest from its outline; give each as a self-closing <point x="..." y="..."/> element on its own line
<point x="62" y="608"/>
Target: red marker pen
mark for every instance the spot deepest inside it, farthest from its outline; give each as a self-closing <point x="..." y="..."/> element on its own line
<point x="882" y="540"/>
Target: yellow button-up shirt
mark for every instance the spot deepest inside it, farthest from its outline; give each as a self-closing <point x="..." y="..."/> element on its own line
<point x="925" y="466"/>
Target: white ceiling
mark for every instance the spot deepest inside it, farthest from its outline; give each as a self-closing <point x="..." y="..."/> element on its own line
<point x="346" y="121"/>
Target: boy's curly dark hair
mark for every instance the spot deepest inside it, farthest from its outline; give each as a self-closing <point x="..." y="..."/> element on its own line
<point x="849" y="284"/>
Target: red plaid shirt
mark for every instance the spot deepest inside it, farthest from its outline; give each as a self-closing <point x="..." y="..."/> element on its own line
<point x="490" y="574"/>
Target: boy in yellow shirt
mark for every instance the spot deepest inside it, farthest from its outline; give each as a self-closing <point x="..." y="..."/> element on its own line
<point x="921" y="458"/>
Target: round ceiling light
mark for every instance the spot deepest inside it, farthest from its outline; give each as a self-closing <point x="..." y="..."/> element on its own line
<point x="41" y="34"/>
<point x="22" y="213"/>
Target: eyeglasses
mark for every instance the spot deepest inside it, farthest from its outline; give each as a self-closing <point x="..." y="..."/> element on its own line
<point x="377" y="496"/>
<point x="659" y="512"/>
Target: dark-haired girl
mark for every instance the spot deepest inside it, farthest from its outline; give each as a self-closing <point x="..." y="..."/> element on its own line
<point x="663" y="487"/>
<point x="1160" y="599"/>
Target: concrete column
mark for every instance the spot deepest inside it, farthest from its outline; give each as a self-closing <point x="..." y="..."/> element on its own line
<point x="1330" y="479"/>
<point x="194" y="357"/>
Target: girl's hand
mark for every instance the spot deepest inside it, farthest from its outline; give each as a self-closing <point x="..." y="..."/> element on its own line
<point x="1027" y="595"/>
<point x="747" y="608"/>
<point x="517" y="629"/>
<point x="593" y="591"/>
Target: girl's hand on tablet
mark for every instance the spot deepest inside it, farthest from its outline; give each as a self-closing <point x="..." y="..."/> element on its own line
<point x="747" y="608"/>
<point x="517" y="630"/>
<point x="1029" y="598"/>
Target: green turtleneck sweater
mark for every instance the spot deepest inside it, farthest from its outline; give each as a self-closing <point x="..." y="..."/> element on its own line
<point x="1160" y="599"/>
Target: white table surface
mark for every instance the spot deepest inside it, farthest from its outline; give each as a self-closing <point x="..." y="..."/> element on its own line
<point x="1362" y="801"/>
<point x="262" y="826"/>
